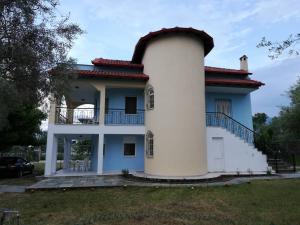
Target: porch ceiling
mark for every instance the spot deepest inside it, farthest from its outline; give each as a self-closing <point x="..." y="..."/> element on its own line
<point x="82" y="93"/>
<point x="77" y="136"/>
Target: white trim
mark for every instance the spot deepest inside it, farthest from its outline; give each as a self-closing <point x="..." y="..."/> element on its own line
<point x="94" y="129"/>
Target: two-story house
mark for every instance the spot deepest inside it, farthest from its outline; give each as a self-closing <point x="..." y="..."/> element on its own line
<point x="164" y="113"/>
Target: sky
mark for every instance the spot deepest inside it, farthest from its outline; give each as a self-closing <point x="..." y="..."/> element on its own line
<point x="113" y="27"/>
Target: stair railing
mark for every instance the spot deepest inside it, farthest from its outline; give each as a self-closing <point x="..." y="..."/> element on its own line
<point x="219" y="119"/>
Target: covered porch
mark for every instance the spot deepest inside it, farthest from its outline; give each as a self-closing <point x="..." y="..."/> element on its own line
<point x="78" y="152"/>
<point x="94" y="154"/>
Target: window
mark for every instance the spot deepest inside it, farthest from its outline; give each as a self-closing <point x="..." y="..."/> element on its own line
<point x="149" y="144"/>
<point x="106" y="105"/>
<point x="130" y="105"/>
<point x="223" y="106"/>
<point x="129" y="149"/>
<point x="103" y="149"/>
<point x="150" y="97"/>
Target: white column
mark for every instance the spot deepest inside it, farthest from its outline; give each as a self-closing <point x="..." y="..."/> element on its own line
<point x="52" y="112"/>
<point x="67" y="152"/>
<point x="51" y="154"/>
<point x="102" y="105"/>
<point x="100" y="154"/>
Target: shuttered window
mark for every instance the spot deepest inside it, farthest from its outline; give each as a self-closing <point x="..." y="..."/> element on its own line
<point x="223" y="106"/>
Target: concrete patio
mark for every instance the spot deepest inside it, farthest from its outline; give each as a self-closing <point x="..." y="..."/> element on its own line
<point x="119" y="181"/>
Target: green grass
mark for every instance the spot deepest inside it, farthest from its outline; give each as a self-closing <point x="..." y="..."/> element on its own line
<point x="22" y="181"/>
<point x="261" y="202"/>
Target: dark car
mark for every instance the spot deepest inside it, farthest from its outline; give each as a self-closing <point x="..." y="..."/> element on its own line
<point x="15" y="166"/>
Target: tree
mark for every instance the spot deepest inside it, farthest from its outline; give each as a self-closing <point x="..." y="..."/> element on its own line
<point x="82" y="149"/>
<point x="290" y="115"/>
<point x="33" y="40"/>
<point x="264" y="133"/>
<point x="259" y="120"/>
<point x="278" y="48"/>
<point x="24" y="124"/>
<point x="284" y="128"/>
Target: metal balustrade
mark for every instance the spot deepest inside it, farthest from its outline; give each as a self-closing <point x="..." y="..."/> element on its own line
<point x="120" y="117"/>
<point x="218" y="119"/>
<point x="64" y="115"/>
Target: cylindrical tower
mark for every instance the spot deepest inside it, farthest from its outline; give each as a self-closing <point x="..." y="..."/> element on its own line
<point x="174" y="60"/>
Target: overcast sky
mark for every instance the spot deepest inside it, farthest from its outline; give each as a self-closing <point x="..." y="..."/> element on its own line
<point x="113" y="27"/>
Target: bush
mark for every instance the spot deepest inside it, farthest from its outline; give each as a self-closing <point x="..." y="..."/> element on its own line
<point x="125" y="172"/>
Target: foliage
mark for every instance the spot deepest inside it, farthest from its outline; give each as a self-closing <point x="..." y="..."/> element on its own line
<point x="125" y="172"/>
<point x="284" y="128"/>
<point x="81" y="149"/>
<point x="278" y="48"/>
<point x="24" y="124"/>
<point x="264" y="133"/>
<point x="33" y="39"/>
<point x="290" y="115"/>
<point x="41" y="138"/>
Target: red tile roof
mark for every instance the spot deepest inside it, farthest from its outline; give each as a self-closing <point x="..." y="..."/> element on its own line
<point x="115" y="63"/>
<point x="118" y="75"/>
<point x="210" y="69"/>
<point x="233" y="82"/>
<point x="129" y="64"/>
<point x="144" y="77"/>
<point x="143" y="41"/>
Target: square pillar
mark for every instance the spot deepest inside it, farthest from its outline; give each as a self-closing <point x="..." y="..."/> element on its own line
<point x="52" y="112"/>
<point x="51" y="154"/>
<point x="102" y="105"/>
<point x="100" y="154"/>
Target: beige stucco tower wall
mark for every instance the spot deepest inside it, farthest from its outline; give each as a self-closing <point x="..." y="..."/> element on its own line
<point x="175" y="65"/>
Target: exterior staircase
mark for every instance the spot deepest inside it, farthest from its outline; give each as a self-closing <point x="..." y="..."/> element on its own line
<point x="279" y="162"/>
<point x="240" y="154"/>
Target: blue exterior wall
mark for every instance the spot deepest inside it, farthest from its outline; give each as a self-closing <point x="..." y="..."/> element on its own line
<point x="117" y="96"/>
<point x="114" y="159"/>
<point x="240" y="106"/>
<point x="116" y="105"/>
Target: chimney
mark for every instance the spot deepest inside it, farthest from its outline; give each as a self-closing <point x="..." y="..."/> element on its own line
<point x="244" y="63"/>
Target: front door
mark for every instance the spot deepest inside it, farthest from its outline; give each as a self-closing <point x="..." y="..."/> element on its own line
<point x="218" y="154"/>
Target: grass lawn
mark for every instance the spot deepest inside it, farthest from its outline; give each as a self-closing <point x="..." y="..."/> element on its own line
<point x="261" y="202"/>
<point x="22" y="181"/>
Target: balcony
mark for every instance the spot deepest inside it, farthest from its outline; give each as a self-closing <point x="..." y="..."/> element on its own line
<point x="90" y="116"/>
<point x="64" y="115"/>
<point x="120" y="117"/>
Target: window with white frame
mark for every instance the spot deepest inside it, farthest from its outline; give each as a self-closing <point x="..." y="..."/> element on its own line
<point x="149" y="144"/>
<point x="223" y="106"/>
<point x="150" y="97"/>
